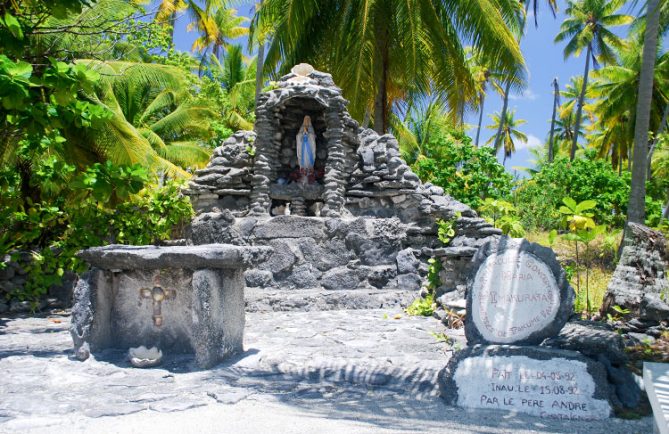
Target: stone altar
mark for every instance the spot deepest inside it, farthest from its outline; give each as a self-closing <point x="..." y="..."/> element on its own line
<point x="181" y="299"/>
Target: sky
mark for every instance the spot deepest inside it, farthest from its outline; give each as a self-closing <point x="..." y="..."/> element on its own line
<point x="544" y="61"/>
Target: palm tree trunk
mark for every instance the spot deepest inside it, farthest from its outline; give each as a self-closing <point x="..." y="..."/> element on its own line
<point x="660" y="130"/>
<point x="665" y="213"/>
<point x="381" y="99"/>
<point x="636" y="208"/>
<point x="502" y="116"/>
<point x="507" y="87"/>
<point x="260" y="61"/>
<point x="581" y="99"/>
<point x="556" y="91"/>
<point x="478" y="131"/>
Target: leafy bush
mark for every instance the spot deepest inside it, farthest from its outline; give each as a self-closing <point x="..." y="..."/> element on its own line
<point x="539" y="198"/>
<point x="102" y="204"/>
<point x="502" y="215"/>
<point x="467" y="173"/>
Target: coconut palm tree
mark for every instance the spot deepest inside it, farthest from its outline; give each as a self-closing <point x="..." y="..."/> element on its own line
<point x="640" y="23"/>
<point x="556" y="104"/>
<point x="213" y="21"/>
<point x="259" y="35"/>
<point x="571" y="94"/>
<point x="422" y="122"/>
<point x="154" y="121"/>
<point x="380" y="50"/>
<point x="237" y="77"/>
<point x="611" y="139"/>
<point x="564" y="132"/>
<point x="636" y="210"/>
<point x="484" y="76"/>
<point x="616" y="90"/>
<point x="217" y="30"/>
<point x="552" y="4"/>
<point x="509" y="133"/>
<point x="587" y="27"/>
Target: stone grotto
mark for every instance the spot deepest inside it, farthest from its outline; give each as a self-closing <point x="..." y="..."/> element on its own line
<point x="360" y="222"/>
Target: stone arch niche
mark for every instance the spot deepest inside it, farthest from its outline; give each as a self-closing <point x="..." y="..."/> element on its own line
<point x="279" y="115"/>
<point x="306" y="199"/>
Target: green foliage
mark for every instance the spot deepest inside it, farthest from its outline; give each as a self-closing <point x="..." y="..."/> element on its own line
<point x="575" y="214"/>
<point x="511" y="226"/>
<point x="251" y="150"/>
<point x="433" y="269"/>
<point x="442" y="338"/>
<point x="446" y="230"/>
<point x="409" y="47"/>
<point x="421" y="306"/>
<point x="509" y="132"/>
<point x="539" y="198"/>
<point x="569" y="271"/>
<point x="467" y="173"/>
<point x="70" y="209"/>
<point x="110" y="183"/>
<point x="503" y="215"/>
<point x="83" y="142"/>
<point x="618" y="315"/>
<point x="582" y="230"/>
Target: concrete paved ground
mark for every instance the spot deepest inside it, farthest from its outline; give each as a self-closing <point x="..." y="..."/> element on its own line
<point x="365" y="371"/>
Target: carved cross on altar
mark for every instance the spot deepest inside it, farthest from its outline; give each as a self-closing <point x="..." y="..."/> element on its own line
<point x="158" y="295"/>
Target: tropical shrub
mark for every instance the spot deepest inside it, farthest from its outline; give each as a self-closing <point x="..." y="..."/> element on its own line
<point x="467" y="173"/>
<point x="102" y="204"/>
<point x="502" y="215"/>
<point x="539" y="198"/>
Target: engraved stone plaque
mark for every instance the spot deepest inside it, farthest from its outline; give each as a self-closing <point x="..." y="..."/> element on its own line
<point x="551" y="384"/>
<point x="518" y="294"/>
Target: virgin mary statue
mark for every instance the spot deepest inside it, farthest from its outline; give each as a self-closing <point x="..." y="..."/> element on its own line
<point x="306" y="147"/>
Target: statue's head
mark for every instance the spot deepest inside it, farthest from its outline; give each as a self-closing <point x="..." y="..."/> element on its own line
<point x="307" y="121"/>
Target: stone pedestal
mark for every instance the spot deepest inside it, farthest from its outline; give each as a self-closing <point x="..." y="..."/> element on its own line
<point x="182" y="299"/>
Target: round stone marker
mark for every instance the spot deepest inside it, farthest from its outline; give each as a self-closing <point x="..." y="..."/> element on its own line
<point x="518" y="294"/>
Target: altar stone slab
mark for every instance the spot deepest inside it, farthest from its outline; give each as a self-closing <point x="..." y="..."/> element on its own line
<point x="518" y="294"/>
<point x="180" y="299"/>
<point x="548" y="383"/>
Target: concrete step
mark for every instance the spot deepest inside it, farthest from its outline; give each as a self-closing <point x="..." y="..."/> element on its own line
<point x="305" y="300"/>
